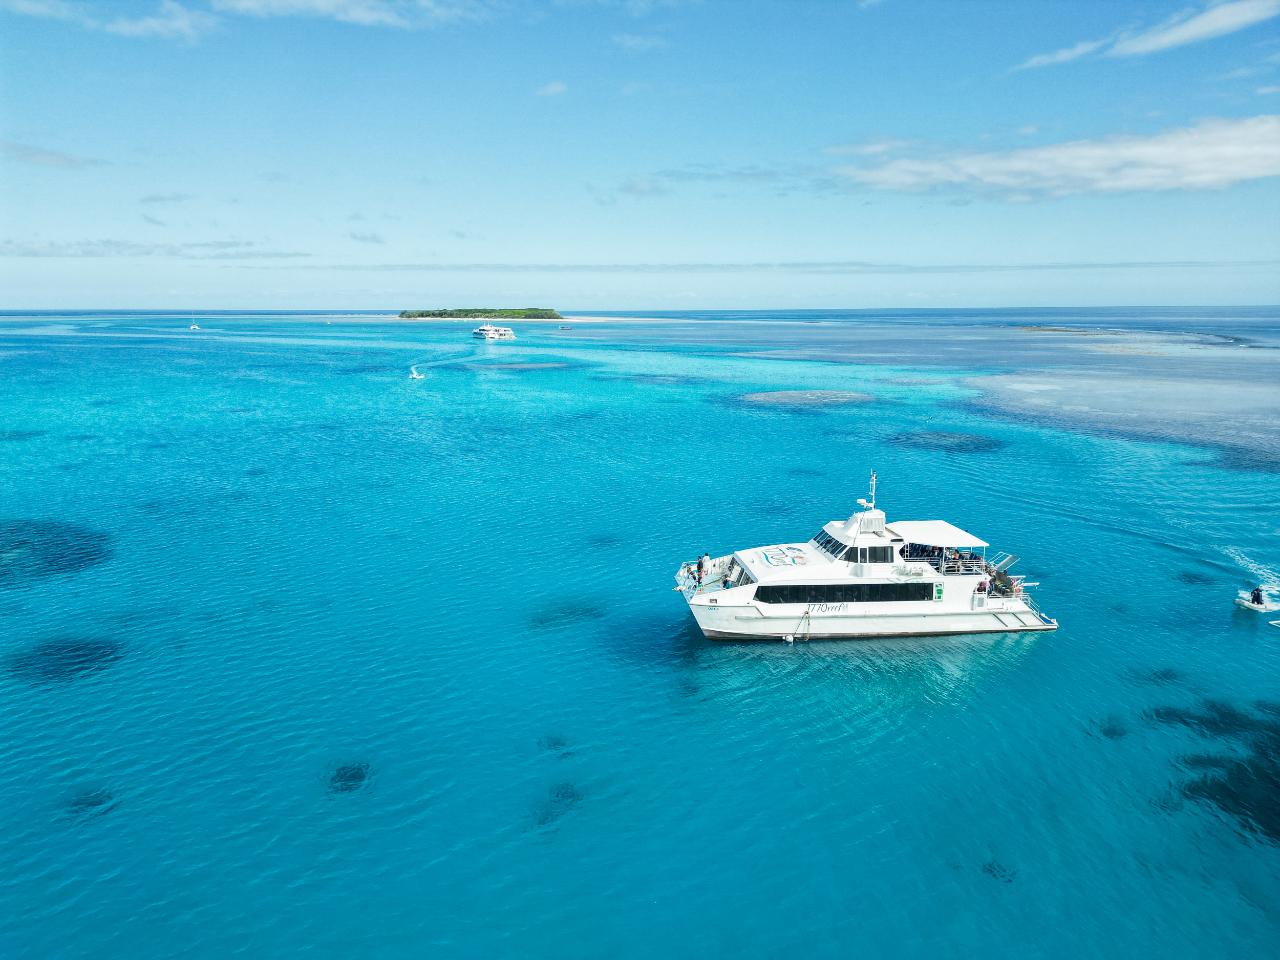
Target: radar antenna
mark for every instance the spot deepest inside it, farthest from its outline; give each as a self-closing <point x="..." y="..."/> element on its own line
<point x="870" y="504"/>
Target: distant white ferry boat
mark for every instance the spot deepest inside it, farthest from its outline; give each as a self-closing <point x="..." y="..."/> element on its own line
<point x="862" y="577"/>
<point x="488" y="331"/>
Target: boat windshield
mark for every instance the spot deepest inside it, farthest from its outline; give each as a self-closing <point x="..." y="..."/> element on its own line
<point x="829" y="545"/>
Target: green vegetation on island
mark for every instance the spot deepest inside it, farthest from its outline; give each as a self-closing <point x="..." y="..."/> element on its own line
<point x="482" y="313"/>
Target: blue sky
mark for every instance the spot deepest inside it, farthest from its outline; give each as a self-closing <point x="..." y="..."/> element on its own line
<point x="632" y="154"/>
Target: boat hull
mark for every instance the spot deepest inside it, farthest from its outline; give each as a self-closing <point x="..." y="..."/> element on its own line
<point x="728" y="623"/>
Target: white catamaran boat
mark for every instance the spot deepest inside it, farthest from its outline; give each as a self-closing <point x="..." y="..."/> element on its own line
<point x="862" y="577"/>
<point x="488" y="331"/>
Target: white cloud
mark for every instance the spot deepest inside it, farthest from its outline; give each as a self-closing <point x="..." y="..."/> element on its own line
<point x="170" y="20"/>
<point x="48" y="9"/>
<point x="1211" y="154"/>
<point x="1065" y="55"/>
<point x="553" y="89"/>
<point x="1263" y="91"/>
<point x="369" y="13"/>
<point x="1217" y="20"/>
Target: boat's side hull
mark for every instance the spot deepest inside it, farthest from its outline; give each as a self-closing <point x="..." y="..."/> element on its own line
<point x="746" y="623"/>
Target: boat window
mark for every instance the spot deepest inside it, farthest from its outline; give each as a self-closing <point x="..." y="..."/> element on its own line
<point x="869" y="554"/>
<point x="845" y="592"/>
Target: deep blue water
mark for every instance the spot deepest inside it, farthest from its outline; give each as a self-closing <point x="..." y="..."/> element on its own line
<point x="302" y="656"/>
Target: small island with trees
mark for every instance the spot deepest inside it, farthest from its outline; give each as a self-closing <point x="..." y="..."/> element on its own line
<point x="482" y="313"/>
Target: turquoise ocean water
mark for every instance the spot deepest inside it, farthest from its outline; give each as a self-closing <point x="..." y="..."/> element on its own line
<point x="302" y="656"/>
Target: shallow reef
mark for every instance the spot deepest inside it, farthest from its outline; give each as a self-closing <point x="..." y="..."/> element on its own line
<point x="15" y="436"/>
<point x="947" y="442"/>
<point x="1194" y="578"/>
<point x="999" y="871"/>
<point x="349" y="777"/>
<point x="35" y="549"/>
<point x="64" y="658"/>
<point x="1160" y="676"/>
<point x="564" y="614"/>
<point x="87" y="804"/>
<point x="1245" y="783"/>
<point x="1112" y="728"/>
<point x="803" y="398"/>
<point x="553" y="742"/>
<point x="560" y="799"/>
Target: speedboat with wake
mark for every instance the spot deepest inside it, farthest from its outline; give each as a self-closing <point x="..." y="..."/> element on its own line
<point x="859" y="578"/>
<point x="1258" y="600"/>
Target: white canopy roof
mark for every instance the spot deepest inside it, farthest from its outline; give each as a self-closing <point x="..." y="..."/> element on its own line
<point x="934" y="533"/>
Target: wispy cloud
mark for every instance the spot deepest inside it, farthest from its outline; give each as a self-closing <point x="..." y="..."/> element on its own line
<point x="553" y="89"/>
<point x="158" y="198"/>
<point x="779" y="179"/>
<point x="1211" y="154"/>
<point x="781" y="266"/>
<point x="170" y="20"/>
<point x="1065" y="55"/>
<point x="366" y="237"/>
<point x="1190" y="26"/>
<point x="868" y="149"/>
<point x="197" y="250"/>
<point x="368" y="13"/>
<point x="639" y="42"/>
<point x="1216" y="21"/>
<point x="42" y="157"/>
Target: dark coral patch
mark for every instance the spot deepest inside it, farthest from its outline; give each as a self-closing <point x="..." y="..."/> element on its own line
<point x="35" y="549"/>
<point x="1245" y="786"/>
<point x="998" y="871"/>
<point x="554" y="742"/>
<point x="604" y="540"/>
<point x="64" y="658"/>
<point x="945" y="442"/>
<point x="349" y="777"/>
<point x="19" y="435"/>
<point x="1112" y="729"/>
<point x="1195" y="578"/>
<point x="87" y="804"/>
<point x="1216" y="719"/>
<point x="566" y="614"/>
<point x="1160" y="677"/>
<point x="560" y="799"/>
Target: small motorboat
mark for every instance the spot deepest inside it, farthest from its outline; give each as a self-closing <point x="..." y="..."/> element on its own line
<point x="194" y="326"/>
<point x="1268" y="604"/>
<point x="415" y="375"/>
